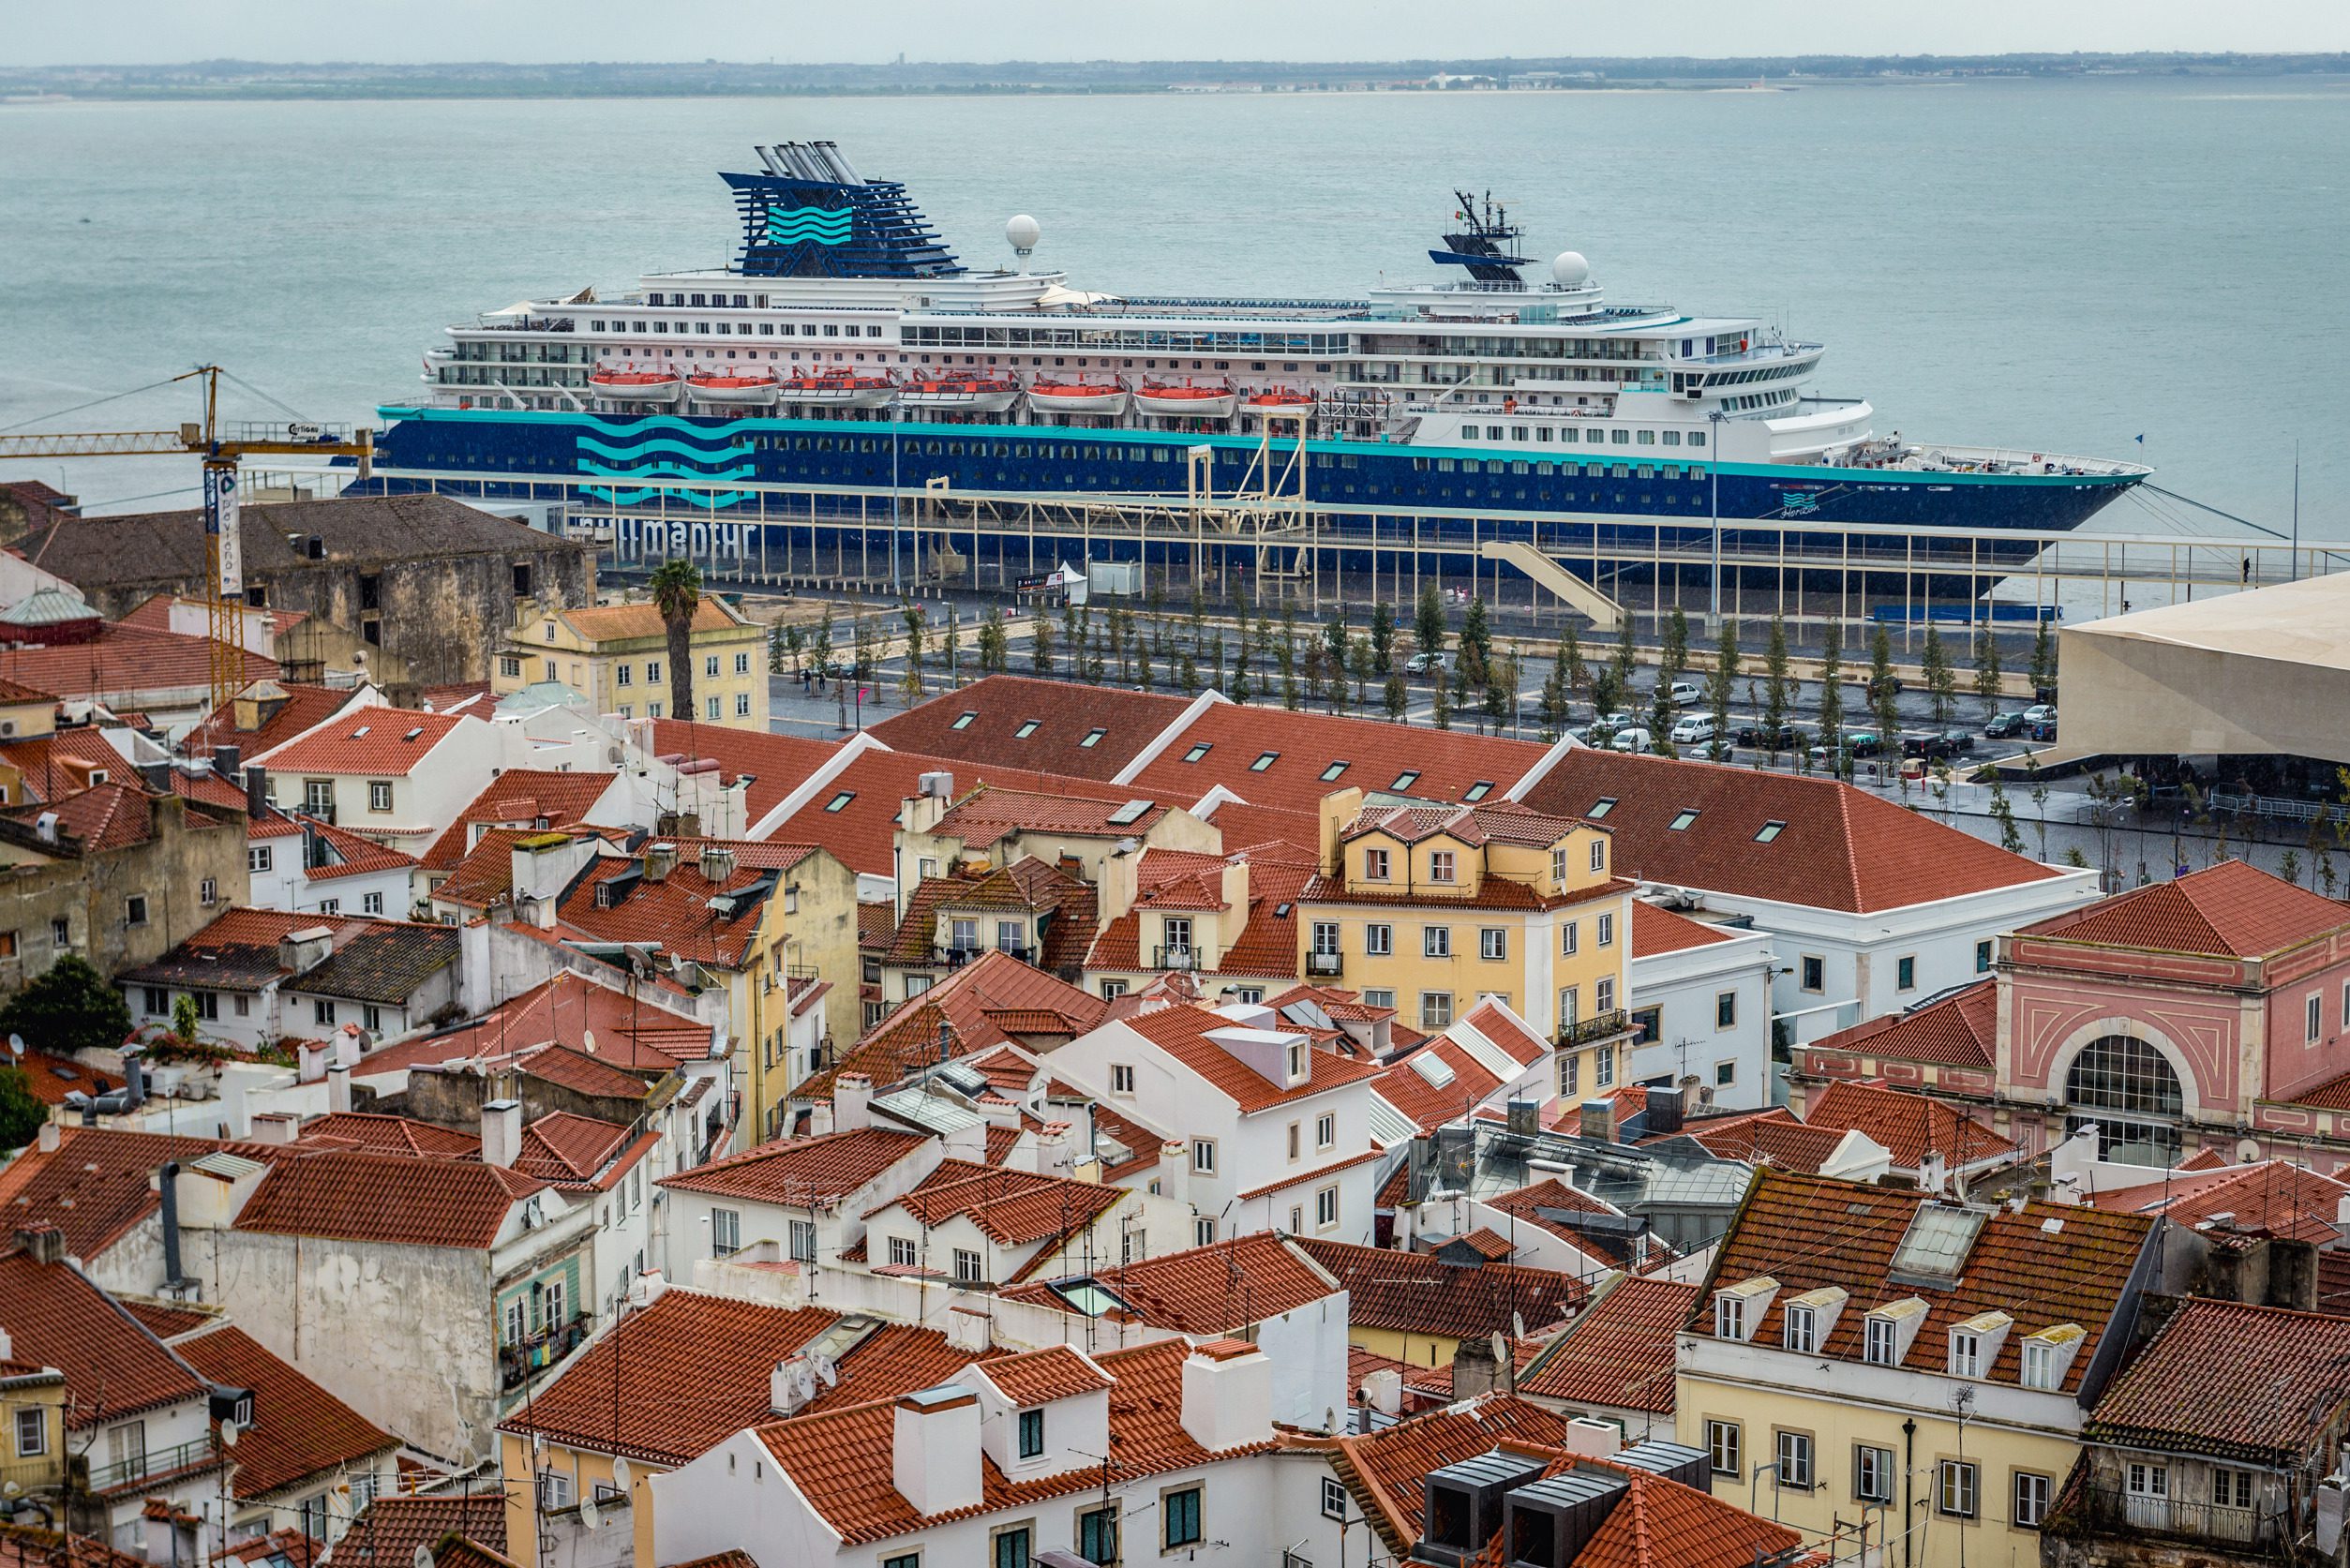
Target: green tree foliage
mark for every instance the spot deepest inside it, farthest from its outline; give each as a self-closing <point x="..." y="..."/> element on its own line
<point x="995" y="646"/>
<point x="2043" y="661"/>
<point x="1721" y="683"/>
<point x="1383" y="636"/>
<point x="1398" y="697"/>
<point x="677" y="594"/>
<point x="1041" y="648"/>
<point x="1882" y="699"/>
<point x="1778" y="692"/>
<point x="1676" y="645"/>
<point x="70" y="1007"/>
<point x="1942" y="679"/>
<point x="1427" y="619"/>
<point x="1832" y="689"/>
<point x="1987" y="671"/>
<point x="916" y="645"/>
<point x="1476" y="642"/>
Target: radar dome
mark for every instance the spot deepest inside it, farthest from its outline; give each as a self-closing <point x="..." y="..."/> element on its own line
<point x="1570" y="270"/>
<point x="1022" y="233"/>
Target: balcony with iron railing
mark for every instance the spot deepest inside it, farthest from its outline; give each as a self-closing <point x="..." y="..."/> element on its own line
<point x="956" y="957"/>
<point x="1325" y="963"/>
<point x="1175" y="957"/>
<point x="520" y="1362"/>
<point x="2104" y="1507"/>
<point x="1598" y="1026"/>
<point x="149" y="1464"/>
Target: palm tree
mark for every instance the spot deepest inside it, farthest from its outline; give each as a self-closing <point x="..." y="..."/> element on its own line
<point x="677" y="594"/>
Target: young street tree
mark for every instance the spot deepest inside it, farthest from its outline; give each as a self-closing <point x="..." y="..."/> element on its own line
<point x="1570" y="663"/>
<point x="677" y="594"/>
<point x="1777" y="690"/>
<point x="911" y="681"/>
<point x="1987" y="672"/>
<point x="1942" y="681"/>
<point x="995" y="646"/>
<point x="1676" y="645"/>
<point x="2043" y="661"/>
<point x="1831" y="691"/>
<point x="1383" y="636"/>
<point x="1882" y="697"/>
<point x="1398" y="697"/>
<point x="1721" y="683"/>
<point x="1041" y="648"/>
<point x="1428" y="620"/>
<point x="1624" y="656"/>
<point x="1476" y="643"/>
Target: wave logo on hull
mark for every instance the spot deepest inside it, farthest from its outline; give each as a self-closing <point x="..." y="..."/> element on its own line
<point x="799" y="225"/>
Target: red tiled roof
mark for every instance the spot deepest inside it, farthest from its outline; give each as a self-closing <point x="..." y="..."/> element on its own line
<point x="1412" y="1292"/>
<point x="877" y="782"/>
<point x="564" y="1010"/>
<point x="1028" y="885"/>
<point x="620" y="1395"/>
<point x="2250" y="1383"/>
<point x="1447" y="763"/>
<point x="1528" y="1205"/>
<point x="1771" y="1136"/>
<point x="386" y="1198"/>
<point x="1431" y="1105"/>
<point x="381" y="742"/>
<point x="568" y="1149"/>
<point x="2230" y="910"/>
<point x="1011" y="1207"/>
<point x="802" y="1173"/>
<point x="1064" y="713"/>
<point x="1387" y="1469"/>
<point x="1957" y="1031"/>
<point x="27" y="1546"/>
<point x="990" y="814"/>
<point x="1041" y="1376"/>
<point x="354" y="855"/>
<point x="1497" y="1023"/>
<point x="1267" y="945"/>
<point x="1908" y="1126"/>
<point x="1182" y="1033"/>
<point x="978" y="1001"/>
<point x="298" y="1428"/>
<point x="896" y="1358"/>
<point x="51" y="1079"/>
<point x="2268" y="1197"/>
<point x="376" y="1133"/>
<point x="1660" y="1523"/>
<point x="287" y="708"/>
<point x="473" y="695"/>
<point x="120" y="665"/>
<point x="102" y="818"/>
<point x="1657" y="930"/>
<point x="1618" y="1351"/>
<point x="1218" y="1289"/>
<point x="519" y="798"/>
<point x="582" y="1073"/>
<point x="167" y="1321"/>
<point x="114" y="1366"/>
<point x="839" y="1459"/>
<point x="2051" y="1264"/>
<point x="1839" y="847"/>
<point x="776" y="764"/>
<point x="96" y="1184"/>
<point x="676" y="911"/>
<point x="64" y="761"/>
<point x="389" y="1532"/>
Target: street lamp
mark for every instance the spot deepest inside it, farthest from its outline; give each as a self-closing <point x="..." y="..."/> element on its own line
<point x="1714" y="599"/>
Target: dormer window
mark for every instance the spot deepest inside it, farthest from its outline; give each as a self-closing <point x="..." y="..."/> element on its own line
<point x="2040" y="1361"/>
<point x="1965" y="1355"/>
<point x="1439" y="865"/>
<point x="1882" y="1345"/>
<point x="2048" y="1355"/>
<point x="1975" y="1344"/>
<point x="1375" y="865"/>
<point x="1800" y="1331"/>
<point x="1730" y="1317"/>
<point x="1031" y="1434"/>
<point x="1738" y="1309"/>
<point x="1298" y="1061"/>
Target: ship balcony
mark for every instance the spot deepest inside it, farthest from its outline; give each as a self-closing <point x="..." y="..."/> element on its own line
<point x="1760" y="352"/>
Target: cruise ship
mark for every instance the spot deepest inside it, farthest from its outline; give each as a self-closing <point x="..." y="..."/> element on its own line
<point x="848" y="353"/>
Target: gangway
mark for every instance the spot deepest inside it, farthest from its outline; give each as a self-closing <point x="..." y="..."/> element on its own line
<point x="1605" y="613"/>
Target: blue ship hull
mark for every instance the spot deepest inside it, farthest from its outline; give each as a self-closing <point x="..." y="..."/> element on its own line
<point x="723" y="457"/>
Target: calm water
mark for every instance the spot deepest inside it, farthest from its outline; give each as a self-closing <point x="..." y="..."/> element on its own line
<point x="2059" y="267"/>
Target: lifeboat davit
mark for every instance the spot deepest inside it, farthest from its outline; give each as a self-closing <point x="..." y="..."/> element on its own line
<point x="1076" y="397"/>
<point x="733" y="392"/>
<point x="1186" y="401"/>
<point x="1279" y="401"/>
<point x="967" y="394"/>
<point x="632" y="385"/>
<point x="839" y="389"/>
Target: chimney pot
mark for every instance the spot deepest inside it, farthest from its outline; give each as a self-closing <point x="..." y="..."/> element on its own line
<point x="337" y="1089"/>
<point x="501" y="1132"/>
<point x="44" y="1243"/>
<point x="52" y="1134"/>
<point x="276" y="1126"/>
<point x="852" y="1101"/>
<point x="1599" y="1120"/>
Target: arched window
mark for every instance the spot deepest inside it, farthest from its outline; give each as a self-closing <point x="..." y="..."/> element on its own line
<point x="2115" y="1073"/>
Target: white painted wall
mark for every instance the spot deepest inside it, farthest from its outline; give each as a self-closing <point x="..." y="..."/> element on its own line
<point x="1690" y="1042"/>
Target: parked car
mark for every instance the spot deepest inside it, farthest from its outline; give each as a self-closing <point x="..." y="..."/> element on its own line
<point x="2040" y="712"/>
<point x="1694" y="730"/>
<point x="1939" y="745"/>
<point x="1632" y="740"/>
<point x="1425" y="664"/>
<point x="2004" y="726"/>
<point x="1957" y="742"/>
<point x="2041" y="729"/>
<point x="1680" y="693"/>
<point x="1890" y="686"/>
<point x="1621" y="719"/>
<point x="1761" y="737"/>
<point x="1857" y="742"/>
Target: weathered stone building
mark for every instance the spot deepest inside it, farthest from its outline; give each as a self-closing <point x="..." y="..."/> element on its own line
<point x="432" y="582"/>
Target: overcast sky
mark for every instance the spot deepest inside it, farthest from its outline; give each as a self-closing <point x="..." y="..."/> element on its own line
<point x="32" y="31"/>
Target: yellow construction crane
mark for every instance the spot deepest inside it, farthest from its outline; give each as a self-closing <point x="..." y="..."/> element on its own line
<point x="224" y="565"/>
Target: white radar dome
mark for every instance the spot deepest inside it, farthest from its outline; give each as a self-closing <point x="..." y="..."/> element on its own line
<point x="1023" y="233"/>
<point x="1569" y="270"/>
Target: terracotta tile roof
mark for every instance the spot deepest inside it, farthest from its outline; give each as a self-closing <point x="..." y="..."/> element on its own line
<point x="619" y="1396"/>
<point x="95" y="1185"/>
<point x="1407" y="1087"/>
<point x="461" y="1551"/>
<point x="100" y="819"/>
<point x="894" y="1359"/>
<point x="1182" y="1033"/>
<point x="298" y="1428"/>
<point x="1064" y="715"/>
<point x="354" y="855"/>
<point x="26" y="1547"/>
<point x="168" y="1321"/>
<point x="379" y="742"/>
<point x="977" y="1002"/>
<point x="802" y="1173"/>
<point x="1445" y="764"/>
<point x="1491" y="892"/>
<point x="643" y="618"/>
<point x="676" y="911"/>
<point x="285" y="709"/>
<point x="1809" y="1232"/>
<point x="2229" y="910"/>
<point x="1908" y="1126"/>
<point x="2269" y="1197"/>
<point x="51" y="1079"/>
<point x="389" y="1532"/>
<point x="1957" y="1030"/>
<point x="391" y="1199"/>
<point x="1267" y="945"/>
<point x="122" y="666"/>
<point x="1839" y="847"/>
<point x="1657" y="930"/>
<point x="523" y="798"/>
<point x="1011" y="1207"/>
<point x="568" y="1149"/>
<point x="2261" y="1385"/>
<point x="376" y="1133"/>
<point x="585" y="1074"/>
<point x="2332" y="1095"/>
<point x="1219" y="1288"/>
<point x="1660" y="1523"/>
<point x="66" y="761"/>
<point x="877" y="784"/>
<point x="833" y="1457"/>
<point x="113" y="1366"/>
<point x="237" y="950"/>
<point x="1387" y="1469"/>
<point x="1497" y="1023"/>
<point x="1619" y="1351"/>
<point x="629" y="1025"/>
<point x="876" y="926"/>
<point x="1773" y="1137"/>
<point x="1412" y="1292"/>
<point x="1041" y="1376"/>
<point x="472" y="696"/>
<point x="991" y="814"/>
<point x="777" y="764"/>
<point x="1028" y="885"/>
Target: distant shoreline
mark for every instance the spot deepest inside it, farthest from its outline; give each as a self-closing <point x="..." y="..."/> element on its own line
<point x="235" y="80"/>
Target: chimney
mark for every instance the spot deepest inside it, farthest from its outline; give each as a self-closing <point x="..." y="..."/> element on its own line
<point x="852" y="1102"/>
<point x="1664" y="1109"/>
<point x="1175" y="1170"/>
<point x="820" y="1119"/>
<point x="1593" y="1440"/>
<point x="934" y="1449"/>
<point x="501" y="1132"/>
<point x="1227" y="1395"/>
<point x="1473" y="1368"/>
<point x="661" y="858"/>
<point x="156" y="777"/>
<point x="970" y="1330"/>
<point x="300" y="952"/>
<point x="43" y="1244"/>
<point x="1054" y="1156"/>
<point x="310" y="1062"/>
<point x="717" y="863"/>
<point x="1383" y="1390"/>
<point x="134" y="1078"/>
<point x="1525" y="1117"/>
<point x="337" y="1089"/>
<point x="344" y="1048"/>
<point x="52" y="1134"/>
<point x="1599" y="1120"/>
<point x="255" y="790"/>
<point x="168" y="1189"/>
<point x="1933" y="1175"/>
<point x="227" y="761"/>
<point x="276" y="1126"/>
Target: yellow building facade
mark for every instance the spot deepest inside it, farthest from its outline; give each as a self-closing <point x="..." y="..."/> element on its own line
<point x="618" y="657"/>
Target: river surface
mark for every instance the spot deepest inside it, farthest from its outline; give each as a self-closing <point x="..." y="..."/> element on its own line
<point x="2063" y="267"/>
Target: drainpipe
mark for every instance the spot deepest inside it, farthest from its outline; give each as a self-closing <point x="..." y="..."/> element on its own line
<point x="167" y="1190"/>
<point x="1909" y="1491"/>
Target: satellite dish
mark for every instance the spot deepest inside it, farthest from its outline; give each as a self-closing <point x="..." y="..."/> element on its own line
<point x="1518" y="1324"/>
<point x="16" y="1045"/>
<point x="229" y="1430"/>
<point x="590" y="1515"/>
<point x="587" y="1042"/>
<point x="619" y="1475"/>
<point x="424" y="1555"/>
<point x="1021" y="233"/>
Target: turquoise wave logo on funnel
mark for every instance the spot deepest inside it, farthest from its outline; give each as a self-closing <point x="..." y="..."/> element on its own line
<point x="797" y="225"/>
